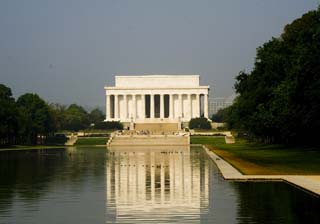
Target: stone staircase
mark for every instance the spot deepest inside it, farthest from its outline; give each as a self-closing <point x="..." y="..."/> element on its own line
<point x="156" y="126"/>
<point x="149" y="140"/>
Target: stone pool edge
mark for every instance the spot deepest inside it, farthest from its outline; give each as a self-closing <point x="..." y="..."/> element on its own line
<point x="310" y="183"/>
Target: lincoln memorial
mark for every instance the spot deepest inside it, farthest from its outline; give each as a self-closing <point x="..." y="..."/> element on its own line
<point x="156" y="99"/>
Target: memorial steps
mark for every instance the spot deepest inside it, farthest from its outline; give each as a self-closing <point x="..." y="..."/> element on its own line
<point x="143" y="139"/>
<point x="157" y="126"/>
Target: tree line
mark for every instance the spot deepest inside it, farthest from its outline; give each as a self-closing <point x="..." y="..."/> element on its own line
<point x="279" y="100"/>
<point x="31" y="120"/>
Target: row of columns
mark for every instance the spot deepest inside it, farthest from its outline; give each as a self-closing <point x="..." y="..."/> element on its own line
<point x="152" y="105"/>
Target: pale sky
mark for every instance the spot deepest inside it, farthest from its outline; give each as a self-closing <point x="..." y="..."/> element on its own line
<point x="68" y="50"/>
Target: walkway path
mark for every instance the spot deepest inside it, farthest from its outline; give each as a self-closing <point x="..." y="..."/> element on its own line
<point x="308" y="183"/>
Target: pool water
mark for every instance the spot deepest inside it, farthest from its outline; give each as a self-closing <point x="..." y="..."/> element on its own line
<point x="139" y="185"/>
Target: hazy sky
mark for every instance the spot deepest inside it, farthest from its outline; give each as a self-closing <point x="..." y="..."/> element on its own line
<point x="67" y="51"/>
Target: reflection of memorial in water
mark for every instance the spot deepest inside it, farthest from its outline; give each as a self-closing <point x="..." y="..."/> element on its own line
<point x="157" y="183"/>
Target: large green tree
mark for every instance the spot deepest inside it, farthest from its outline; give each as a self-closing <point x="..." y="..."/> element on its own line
<point x="96" y="116"/>
<point x="76" y="118"/>
<point x="279" y="100"/>
<point x="35" y="120"/>
<point x="8" y="116"/>
<point x="58" y="114"/>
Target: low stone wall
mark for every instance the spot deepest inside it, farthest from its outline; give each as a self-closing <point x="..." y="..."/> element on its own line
<point x="215" y="133"/>
<point x="216" y="125"/>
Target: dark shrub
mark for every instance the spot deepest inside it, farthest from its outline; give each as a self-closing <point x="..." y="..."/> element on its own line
<point x="58" y="139"/>
<point x="199" y="123"/>
<point x="109" y="125"/>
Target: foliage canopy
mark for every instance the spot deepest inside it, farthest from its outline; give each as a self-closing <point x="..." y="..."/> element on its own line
<point x="279" y="100"/>
<point x="30" y="120"/>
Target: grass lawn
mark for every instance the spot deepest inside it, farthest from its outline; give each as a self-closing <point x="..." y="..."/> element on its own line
<point x="255" y="158"/>
<point x="88" y="131"/>
<point x="91" y="141"/>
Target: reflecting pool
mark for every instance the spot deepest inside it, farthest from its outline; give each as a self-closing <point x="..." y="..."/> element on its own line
<point x="139" y="185"/>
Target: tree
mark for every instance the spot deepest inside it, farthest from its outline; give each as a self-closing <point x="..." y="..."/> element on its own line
<point x="35" y="119"/>
<point x="96" y="116"/>
<point x="58" y="114"/>
<point x="76" y="118"/>
<point x="8" y="116"/>
<point x="279" y="100"/>
<point x="220" y="116"/>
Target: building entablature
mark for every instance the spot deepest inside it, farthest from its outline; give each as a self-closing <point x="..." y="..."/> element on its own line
<point x="156" y="91"/>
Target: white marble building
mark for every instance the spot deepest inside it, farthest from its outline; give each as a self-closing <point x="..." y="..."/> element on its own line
<point x="156" y="98"/>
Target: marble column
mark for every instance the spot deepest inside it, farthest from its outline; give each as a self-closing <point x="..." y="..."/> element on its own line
<point x="189" y="114"/>
<point x="171" y="106"/>
<point x="180" y="105"/>
<point x="143" y="100"/>
<point x="161" y="106"/>
<point x="108" y="109"/>
<point x="116" y="107"/>
<point x="125" y="109"/>
<point x="197" y="111"/>
<point x="151" y="106"/>
<point x="134" y="107"/>
<point x="205" y="112"/>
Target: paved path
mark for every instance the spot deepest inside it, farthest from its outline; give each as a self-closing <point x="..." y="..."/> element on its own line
<point x="308" y="183"/>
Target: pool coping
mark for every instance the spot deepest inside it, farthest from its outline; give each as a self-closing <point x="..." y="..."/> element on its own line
<point x="308" y="183"/>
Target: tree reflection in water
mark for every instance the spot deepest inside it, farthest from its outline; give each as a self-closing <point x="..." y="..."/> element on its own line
<point x="52" y="185"/>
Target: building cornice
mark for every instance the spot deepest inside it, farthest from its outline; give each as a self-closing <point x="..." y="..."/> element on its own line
<point x="159" y="88"/>
<point x="157" y="76"/>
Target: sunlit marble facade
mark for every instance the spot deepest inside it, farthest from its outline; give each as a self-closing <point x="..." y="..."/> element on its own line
<point x="156" y="98"/>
